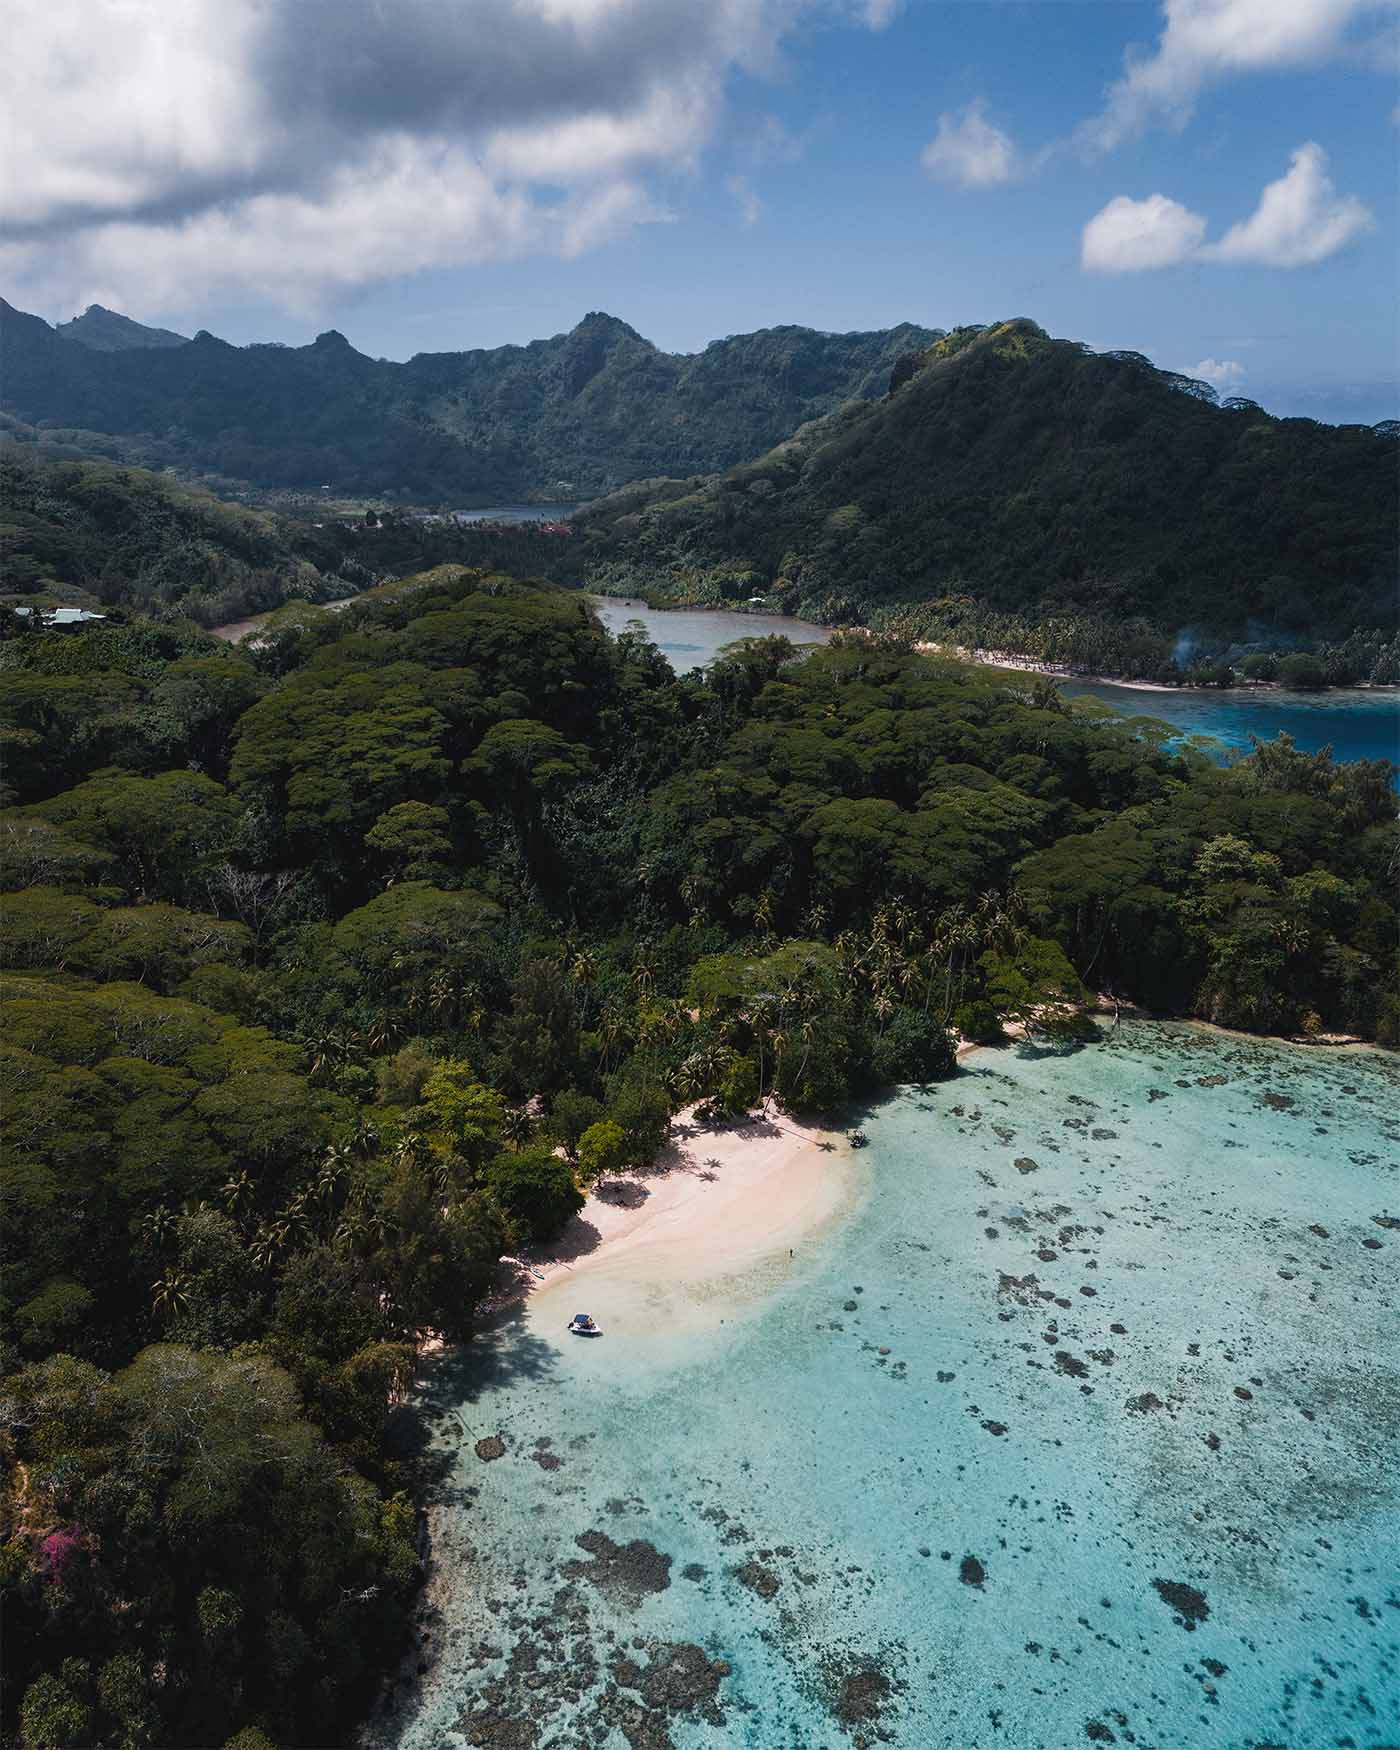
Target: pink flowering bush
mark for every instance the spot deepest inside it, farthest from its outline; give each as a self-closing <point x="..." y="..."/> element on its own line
<point x="59" y="1548"/>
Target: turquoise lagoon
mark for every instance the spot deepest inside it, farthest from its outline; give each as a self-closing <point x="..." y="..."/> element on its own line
<point x="1357" y="723"/>
<point x="1077" y="1426"/>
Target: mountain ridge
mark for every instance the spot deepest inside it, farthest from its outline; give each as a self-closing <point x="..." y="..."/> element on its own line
<point x="569" y="416"/>
<point x="105" y="330"/>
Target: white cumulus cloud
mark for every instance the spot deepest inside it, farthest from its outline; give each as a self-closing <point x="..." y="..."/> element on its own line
<point x="969" y="151"/>
<point x="1300" y="218"/>
<point x="1223" y="373"/>
<point x="1129" y="236"/>
<point x="159" y="151"/>
<point x="1205" y="41"/>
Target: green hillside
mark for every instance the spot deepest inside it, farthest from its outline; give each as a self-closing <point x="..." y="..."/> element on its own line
<point x="96" y="534"/>
<point x="1011" y="483"/>
<point x="567" y="417"/>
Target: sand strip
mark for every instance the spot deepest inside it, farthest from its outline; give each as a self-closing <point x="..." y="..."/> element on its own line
<point x="717" y="1220"/>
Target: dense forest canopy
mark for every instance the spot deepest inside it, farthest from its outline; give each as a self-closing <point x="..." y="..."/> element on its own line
<point x="1017" y="492"/>
<point x="337" y="966"/>
<point x="566" y="417"/>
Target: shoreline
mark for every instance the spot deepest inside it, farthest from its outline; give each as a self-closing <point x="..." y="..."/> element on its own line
<point x="713" y="1222"/>
<point x="1001" y="659"/>
<point x="1059" y="672"/>
<point x="705" y="1226"/>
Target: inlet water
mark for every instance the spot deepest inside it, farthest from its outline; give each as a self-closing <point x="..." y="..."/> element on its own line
<point x="1078" y="1427"/>
<point x="1357" y="723"/>
<point x="691" y="638"/>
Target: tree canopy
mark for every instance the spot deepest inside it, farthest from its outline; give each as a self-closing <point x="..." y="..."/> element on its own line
<point x="453" y="909"/>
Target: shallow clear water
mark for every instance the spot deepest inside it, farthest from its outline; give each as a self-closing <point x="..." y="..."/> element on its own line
<point x="1357" y="723"/>
<point x="1099" y="1320"/>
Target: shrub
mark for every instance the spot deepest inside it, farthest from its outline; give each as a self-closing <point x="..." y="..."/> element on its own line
<point x="535" y="1191"/>
<point x="979" y="1021"/>
<point x="1302" y="671"/>
<point x="913" y="1048"/>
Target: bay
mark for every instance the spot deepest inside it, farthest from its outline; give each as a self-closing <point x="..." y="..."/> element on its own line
<point x="1079" y="1426"/>
<point x="691" y="638"/>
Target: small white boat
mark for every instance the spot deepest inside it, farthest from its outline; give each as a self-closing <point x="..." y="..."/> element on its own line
<point x="580" y="1325"/>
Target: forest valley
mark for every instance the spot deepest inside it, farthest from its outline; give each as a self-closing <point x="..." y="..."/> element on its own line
<point x="339" y="966"/>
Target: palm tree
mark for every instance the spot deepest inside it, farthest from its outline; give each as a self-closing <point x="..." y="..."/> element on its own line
<point x="264" y="1248"/>
<point x="778" y="1042"/>
<point x="583" y="971"/>
<point x="365" y="1138"/>
<point x="807" y="1031"/>
<point x="697" y="1076"/>
<point x="334" y="1170"/>
<point x="238" y="1193"/>
<point x="610" y="1030"/>
<point x="814" y="919"/>
<point x="328" y="1050"/>
<point x="757" y="1018"/>
<point x="692" y="892"/>
<point x="516" y="1126"/>
<point x="643" y="975"/>
<point x="170" y="1295"/>
<point x="360" y="1226"/>
<point x="408" y="1150"/>
<point x="158" y="1227"/>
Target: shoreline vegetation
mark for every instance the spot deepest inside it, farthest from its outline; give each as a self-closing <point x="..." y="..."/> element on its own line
<point x="117" y="540"/>
<point x="1007" y="659"/>
<point x="342" y="963"/>
<point x="719" y="1197"/>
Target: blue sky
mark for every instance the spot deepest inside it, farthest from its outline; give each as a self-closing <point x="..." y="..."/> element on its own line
<point x="1211" y="182"/>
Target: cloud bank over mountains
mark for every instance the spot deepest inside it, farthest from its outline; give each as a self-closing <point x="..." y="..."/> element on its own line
<point x="166" y="152"/>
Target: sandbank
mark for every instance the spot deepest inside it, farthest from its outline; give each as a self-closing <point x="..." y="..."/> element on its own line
<point x="717" y="1220"/>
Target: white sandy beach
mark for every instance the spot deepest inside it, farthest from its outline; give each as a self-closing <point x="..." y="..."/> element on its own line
<point x="1059" y="672"/>
<point x="719" y="1218"/>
